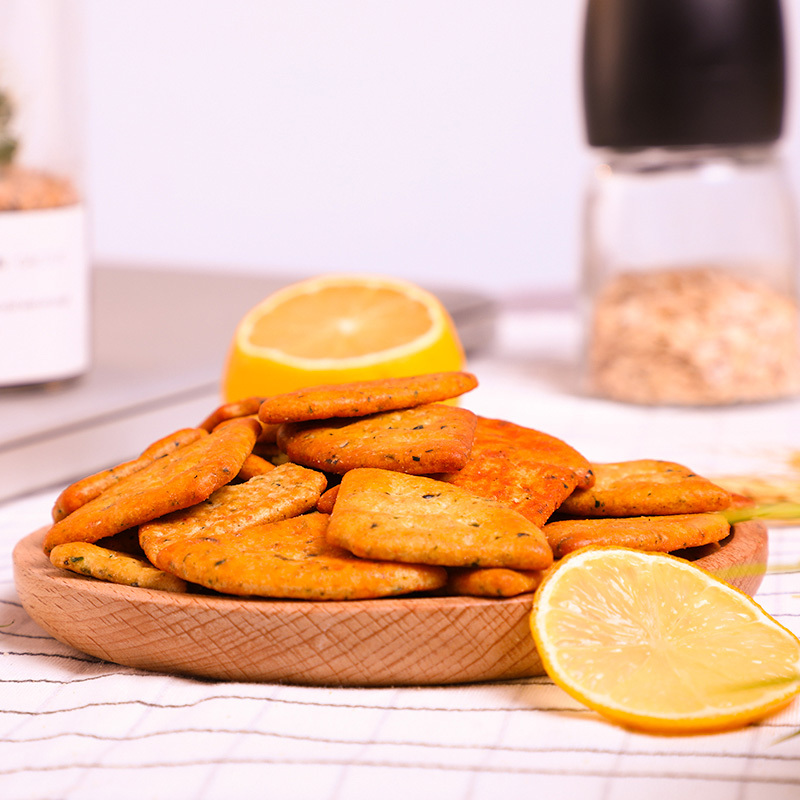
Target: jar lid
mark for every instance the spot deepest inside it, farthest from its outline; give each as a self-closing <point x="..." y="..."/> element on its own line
<point x="661" y="73"/>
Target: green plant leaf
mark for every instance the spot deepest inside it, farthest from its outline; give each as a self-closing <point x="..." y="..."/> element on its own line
<point x="783" y="512"/>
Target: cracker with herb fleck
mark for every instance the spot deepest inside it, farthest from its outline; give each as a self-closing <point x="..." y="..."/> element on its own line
<point x="645" y="487"/>
<point x="661" y="534"/>
<point x="292" y="559"/>
<point x="529" y="445"/>
<point x="419" y="441"/>
<point x="534" y="490"/>
<point x="393" y="516"/>
<point x="285" y="491"/>
<point x="113" y="566"/>
<point x="492" y="582"/>
<point x="182" y="478"/>
<point x="86" y="489"/>
<point x="361" y="398"/>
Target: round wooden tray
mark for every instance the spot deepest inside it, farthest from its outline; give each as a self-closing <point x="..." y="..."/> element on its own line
<point x="399" y="641"/>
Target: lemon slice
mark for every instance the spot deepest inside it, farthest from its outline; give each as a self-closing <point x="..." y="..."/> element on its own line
<point x="654" y="643"/>
<point x="337" y="329"/>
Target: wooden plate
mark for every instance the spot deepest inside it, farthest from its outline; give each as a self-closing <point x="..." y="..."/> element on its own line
<point x="402" y="641"/>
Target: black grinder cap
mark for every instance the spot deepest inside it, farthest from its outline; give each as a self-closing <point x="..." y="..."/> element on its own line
<point x="665" y="73"/>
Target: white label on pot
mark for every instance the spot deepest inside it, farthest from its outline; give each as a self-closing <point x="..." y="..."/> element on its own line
<point x="44" y="295"/>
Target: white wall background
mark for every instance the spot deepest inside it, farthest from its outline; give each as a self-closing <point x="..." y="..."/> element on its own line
<point x="439" y="140"/>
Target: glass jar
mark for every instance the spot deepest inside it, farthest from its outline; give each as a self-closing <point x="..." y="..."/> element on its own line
<point x="690" y="277"/>
<point x="690" y="263"/>
<point x="44" y="265"/>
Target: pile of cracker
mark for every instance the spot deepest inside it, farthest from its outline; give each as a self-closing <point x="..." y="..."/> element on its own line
<point x="367" y="490"/>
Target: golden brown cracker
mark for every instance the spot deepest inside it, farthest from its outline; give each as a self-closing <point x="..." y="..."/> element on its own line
<point x="523" y="444"/>
<point x="361" y="398"/>
<point x="113" y="566"/>
<point x="645" y="487"/>
<point x="286" y="491"/>
<point x="86" y="489"/>
<point x="292" y="559"/>
<point x="496" y="582"/>
<point x="393" y="516"/>
<point x="655" y="533"/>
<point x="419" y="441"/>
<point x="179" y="479"/>
<point x="534" y="490"/>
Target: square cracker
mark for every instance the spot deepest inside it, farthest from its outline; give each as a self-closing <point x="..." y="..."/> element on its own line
<point x="393" y="516"/>
<point x="523" y="444"/>
<point x="646" y="487"/>
<point x="360" y="398"/>
<point x="179" y="479"/>
<point x="527" y="444"/>
<point x="283" y="492"/>
<point x="292" y="558"/>
<point x="527" y="470"/>
<point x="534" y="490"/>
<point x="113" y="566"/>
<point x="661" y="534"/>
<point x="419" y="441"/>
<point x="86" y="489"/>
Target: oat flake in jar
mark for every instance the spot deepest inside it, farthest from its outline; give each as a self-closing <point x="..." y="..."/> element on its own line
<point x="690" y="266"/>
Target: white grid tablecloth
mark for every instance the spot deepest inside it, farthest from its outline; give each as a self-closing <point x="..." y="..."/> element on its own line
<point x="72" y="726"/>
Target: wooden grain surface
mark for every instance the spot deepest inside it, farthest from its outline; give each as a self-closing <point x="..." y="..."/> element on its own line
<point x="400" y="641"/>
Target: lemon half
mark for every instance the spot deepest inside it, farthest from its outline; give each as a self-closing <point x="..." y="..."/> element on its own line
<point x="337" y="329"/>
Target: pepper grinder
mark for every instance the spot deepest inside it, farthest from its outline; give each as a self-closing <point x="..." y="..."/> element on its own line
<point x="689" y="264"/>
